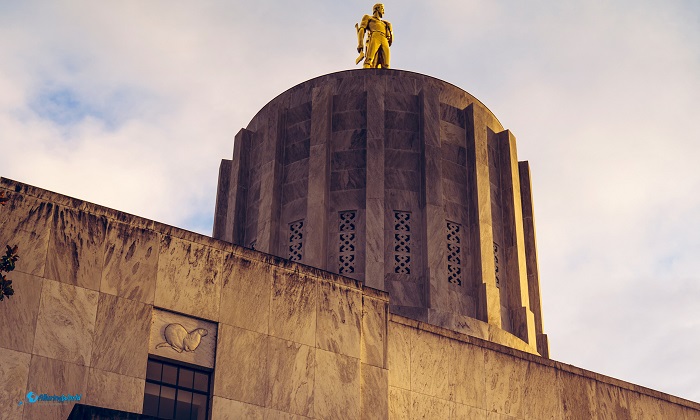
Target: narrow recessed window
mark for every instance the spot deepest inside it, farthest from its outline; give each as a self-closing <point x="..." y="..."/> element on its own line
<point x="296" y="237"/>
<point x="347" y="238"/>
<point x="176" y="392"/>
<point x="454" y="253"/>
<point x="402" y="242"/>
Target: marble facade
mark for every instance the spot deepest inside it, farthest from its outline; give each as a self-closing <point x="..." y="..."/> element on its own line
<point x="285" y="341"/>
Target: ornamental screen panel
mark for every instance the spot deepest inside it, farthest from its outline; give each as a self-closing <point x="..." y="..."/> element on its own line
<point x="296" y="241"/>
<point x="402" y="242"/>
<point x="347" y="238"/>
<point x="454" y="253"/>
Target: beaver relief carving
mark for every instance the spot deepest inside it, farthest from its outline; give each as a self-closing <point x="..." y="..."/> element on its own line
<point x="177" y="338"/>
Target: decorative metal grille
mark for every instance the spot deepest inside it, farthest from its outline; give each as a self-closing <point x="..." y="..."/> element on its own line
<point x="346" y="243"/>
<point x="496" y="248"/>
<point x="296" y="236"/>
<point x="454" y="253"/>
<point x="402" y="242"/>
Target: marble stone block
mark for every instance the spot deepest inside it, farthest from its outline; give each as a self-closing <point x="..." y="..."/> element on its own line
<point x="54" y="377"/>
<point x="339" y="319"/>
<point x="467" y="376"/>
<point x="226" y="409"/>
<point x="578" y="397"/>
<point x="337" y="392"/>
<point x="189" y="278"/>
<point x="430" y="364"/>
<point x="18" y="313"/>
<point x="399" y="355"/>
<point x="399" y="403"/>
<point x="241" y="360"/>
<point x="245" y="293"/>
<point x="293" y="307"/>
<point x="122" y="327"/>
<point x="76" y="248"/>
<point x="427" y="407"/>
<point x="182" y="338"/>
<point x="291" y="369"/>
<point x="612" y="403"/>
<point x="466" y="412"/>
<point x="374" y="331"/>
<point x="118" y="392"/>
<point x="375" y="392"/>
<point x="644" y="407"/>
<point x="14" y="371"/>
<point x="32" y="248"/>
<point x="505" y="383"/>
<point x="66" y="322"/>
<point x="25" y="221"/>
<point x="131" y="262"/>
<point x="542" y="396"/>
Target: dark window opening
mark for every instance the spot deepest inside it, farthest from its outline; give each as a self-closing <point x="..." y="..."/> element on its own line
<point x="176" y="392"/>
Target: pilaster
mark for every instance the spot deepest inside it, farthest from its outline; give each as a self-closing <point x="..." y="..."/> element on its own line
<point x="374" y="224"/>
<point x="480" y="238"/>
<point x="271" y="171"/>
<point x="238" y="189"/>
<point x="533" y="276"/>
<point x="316" y="246"/>
<point x="433" y="224"/>
<point x="522" y="318"/>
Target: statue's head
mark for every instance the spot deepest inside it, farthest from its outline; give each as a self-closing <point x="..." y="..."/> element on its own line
<point x="379" y="7"/>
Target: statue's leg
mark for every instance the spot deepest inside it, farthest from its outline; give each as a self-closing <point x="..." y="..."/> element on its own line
<point x="371" y="53"/>
<point x="385" y="53"/>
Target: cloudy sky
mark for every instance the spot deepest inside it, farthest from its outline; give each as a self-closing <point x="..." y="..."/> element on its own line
<point x="132" y="105"/>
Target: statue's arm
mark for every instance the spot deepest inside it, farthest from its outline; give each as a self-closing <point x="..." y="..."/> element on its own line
<point x="389" y="33"/>
<point x="361" y="33"/>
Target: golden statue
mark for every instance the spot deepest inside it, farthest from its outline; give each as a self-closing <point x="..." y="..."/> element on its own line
<point x="375" y="50"/>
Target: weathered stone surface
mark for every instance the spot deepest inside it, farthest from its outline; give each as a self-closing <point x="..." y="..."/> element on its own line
<point x="241" y="366"/>
<point x="189" y="278"/>
<point x="131" y="262"/>
<point x="399" y="355"/>
<point x="430" y="365"/>
<point x="76" y="248"/>
<point x="110" y="390"/>
<point x="54" y="377"/>
<point x="291" y="371"/>
<point x="245" y="293"/>
<point x="293" y="307"/>
<point x="466" y="412"/>
<point x="467" y="376"/>
<point x="339" y="319"/>
<point x="122" y="327"/>
<point x="427" y="407"/>
<point x="612" y="403"/>
<point x="375" y="392"/>
<point x="25" y="221"/>
<point x="542" y="397"/>
<point x="337" y="375"/>
<point x="374" y="332"/>
<point x="14" y="371"/>
<point x="226" y="409"/>
<point x="182" y="338"/>
<point x="399" y="403"/>
<point x="578" y="397"/>
<point x="18" y="313"/>
<point x="66" y="322"/>
<point x="505" y="382"/>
